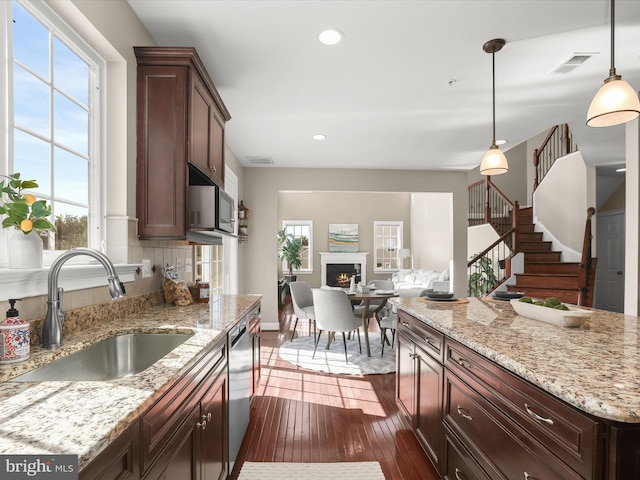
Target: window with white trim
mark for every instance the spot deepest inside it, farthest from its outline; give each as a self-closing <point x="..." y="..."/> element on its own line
<point x="54" y="115"/>
<point x="302" y="229"/>
<point x="387" y="245"/>
<point x="209" y="263"/>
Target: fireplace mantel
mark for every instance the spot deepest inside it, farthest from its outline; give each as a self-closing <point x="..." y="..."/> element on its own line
<point x="344" y="258"/>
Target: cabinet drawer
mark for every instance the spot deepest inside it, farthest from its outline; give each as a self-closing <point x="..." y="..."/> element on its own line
<point x="566" y="432"/>
<point x="162" y="420"/>
<point x="432" y="340"/>
<point x="460" y="463"/>
<point x="483" y="428"/>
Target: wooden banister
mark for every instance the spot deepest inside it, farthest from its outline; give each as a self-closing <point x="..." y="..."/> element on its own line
<point x="557" y="143"/>
<point x="584" y="269"/>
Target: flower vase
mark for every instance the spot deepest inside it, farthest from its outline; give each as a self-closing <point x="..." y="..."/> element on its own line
<point x="25" y="251"/>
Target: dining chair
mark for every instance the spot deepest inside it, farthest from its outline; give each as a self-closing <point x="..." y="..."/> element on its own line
<point x="334" y="314"/>
<point x="386" y="310"/>
<point x="390" y="322"/>
<point x="302" y="301"/>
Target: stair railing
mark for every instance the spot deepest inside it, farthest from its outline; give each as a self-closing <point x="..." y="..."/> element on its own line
<point x="489" y="268"/>
<point x="558" y="143"/>
<point x="584" y="269"/>
<point x="487" y="204"/>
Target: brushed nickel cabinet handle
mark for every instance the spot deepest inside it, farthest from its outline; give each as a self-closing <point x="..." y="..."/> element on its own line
<point x="528" y="477"/>
<point x="464" y="363"/>
<point x="463" y="413"/>
<point x="536" y="416"/>
<point x="459" y="474"/>
<point x="405" y="324"/>
<point x="203" y="424"/>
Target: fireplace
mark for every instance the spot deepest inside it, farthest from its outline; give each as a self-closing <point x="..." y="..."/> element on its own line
<point x="338" y="268"/>
<point x="339" y="274"/>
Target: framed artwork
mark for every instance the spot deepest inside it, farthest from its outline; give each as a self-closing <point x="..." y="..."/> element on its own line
<point x="343" y="237"/>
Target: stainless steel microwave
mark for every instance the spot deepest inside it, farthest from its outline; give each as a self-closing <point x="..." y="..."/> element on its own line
<point x="211" y="208"/>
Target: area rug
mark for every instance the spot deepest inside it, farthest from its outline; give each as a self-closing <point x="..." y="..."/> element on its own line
<point x="299" y="351"/>
<point x="311" y="471"/>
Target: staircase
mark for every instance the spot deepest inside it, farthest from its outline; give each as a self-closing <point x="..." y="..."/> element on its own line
<point x="544" y="274"/>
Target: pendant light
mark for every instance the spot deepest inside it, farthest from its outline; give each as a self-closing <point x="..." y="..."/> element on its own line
<point x="616" y="102"/>
<point x="494" y="162"/>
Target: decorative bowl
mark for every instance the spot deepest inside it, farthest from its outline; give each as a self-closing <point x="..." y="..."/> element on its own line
<point x="574" y="317"/>
<point x="440" y="295"/>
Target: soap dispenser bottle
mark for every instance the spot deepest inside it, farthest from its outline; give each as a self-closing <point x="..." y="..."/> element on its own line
<point x="14" y="336"/>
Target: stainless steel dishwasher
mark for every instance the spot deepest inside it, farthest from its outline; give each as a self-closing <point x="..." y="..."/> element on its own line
<point x="239" y="348"/>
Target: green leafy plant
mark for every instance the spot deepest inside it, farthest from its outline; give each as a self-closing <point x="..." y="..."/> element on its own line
<point x="23" y="210"/>
<point x="290" y="250"/>
<point x="483" y="278"/>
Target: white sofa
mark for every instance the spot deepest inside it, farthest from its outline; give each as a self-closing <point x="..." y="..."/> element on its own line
<point x="422" y="278"/>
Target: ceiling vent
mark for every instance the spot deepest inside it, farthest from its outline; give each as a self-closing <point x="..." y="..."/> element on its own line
<point x="259" y="160"/>
<point x="573" y="62"/>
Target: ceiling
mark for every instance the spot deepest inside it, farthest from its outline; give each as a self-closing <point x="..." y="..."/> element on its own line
<point x="410" y="86"/>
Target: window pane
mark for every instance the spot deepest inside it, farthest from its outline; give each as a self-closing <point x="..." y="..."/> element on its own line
<point x="71" y="175"/>
<point x="70" y="72"/>
<point x="71" y="225"/>
<point x="30" y="102"/>
<point x="71" y="124"/>
<point x="30" y="41"/>
<point x="31" y="159"/>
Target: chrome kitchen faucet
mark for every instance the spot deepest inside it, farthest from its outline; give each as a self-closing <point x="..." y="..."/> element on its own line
<point x="52" y="329"/>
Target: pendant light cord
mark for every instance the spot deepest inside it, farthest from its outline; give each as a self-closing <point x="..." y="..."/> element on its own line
<point x="493" y="76"/>
<point x="612" y="70"/>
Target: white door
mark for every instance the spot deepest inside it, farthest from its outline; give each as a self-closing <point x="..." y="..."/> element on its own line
<point x="609" y="293"/>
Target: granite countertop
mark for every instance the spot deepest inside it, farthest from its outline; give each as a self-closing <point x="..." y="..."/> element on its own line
<point x="594" y="367"/>
<point x="84" y="417"/>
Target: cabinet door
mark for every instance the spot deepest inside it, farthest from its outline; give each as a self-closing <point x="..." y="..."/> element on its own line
<point x="213" y="436"/>
<point x="180" y="460"/>
<point x="217" y="153"/>
<point x="428" y="418"/>
<point x="119" y="461"/>
<point x="161" y="170"/>
<point x="405" y="377"/>
<point x="200" y="126"/>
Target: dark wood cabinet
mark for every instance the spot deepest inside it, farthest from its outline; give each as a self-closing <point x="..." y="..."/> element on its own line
<point x="476" y="420"/>
<point x="180" y="122"/>
<point x="419" y="384"/>
<point x="119" y="461"/>
<point x="254" y="332"/>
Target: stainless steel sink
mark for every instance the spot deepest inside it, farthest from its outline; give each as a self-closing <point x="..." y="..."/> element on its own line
<point x="112" y="358"/>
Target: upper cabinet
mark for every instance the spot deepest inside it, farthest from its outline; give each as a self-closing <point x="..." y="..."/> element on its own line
<point x="181" y="120"/>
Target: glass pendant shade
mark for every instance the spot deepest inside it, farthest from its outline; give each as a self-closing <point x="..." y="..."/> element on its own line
<point x="494" y="162"/>
<point x="616" y="102"/>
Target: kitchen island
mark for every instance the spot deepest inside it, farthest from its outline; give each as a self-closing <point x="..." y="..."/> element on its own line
<point x="83" y="418"/>
<point x="489" y="392"/>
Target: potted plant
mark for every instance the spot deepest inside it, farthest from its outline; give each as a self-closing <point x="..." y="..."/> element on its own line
<point x="483" y="279"/>
<point x="25" y="216"/>
<point x="290" y="250"/>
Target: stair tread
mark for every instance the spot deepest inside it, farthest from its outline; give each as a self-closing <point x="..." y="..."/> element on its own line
<point x="549" y="274"/>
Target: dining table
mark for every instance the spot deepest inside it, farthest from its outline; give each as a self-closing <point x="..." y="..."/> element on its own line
<point x="366" y="298"/>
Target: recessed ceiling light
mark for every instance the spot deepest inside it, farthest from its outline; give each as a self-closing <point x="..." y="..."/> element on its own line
<point x="620" y="170"/>
<point x="319" y="136"/>
<point x="501" y="142"/>
<point x="330" y="37"/>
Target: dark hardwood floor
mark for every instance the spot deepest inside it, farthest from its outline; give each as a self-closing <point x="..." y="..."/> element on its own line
<point x="303" y="416"/>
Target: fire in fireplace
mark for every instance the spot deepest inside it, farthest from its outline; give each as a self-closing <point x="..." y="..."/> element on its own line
<point x="339" y="274"/>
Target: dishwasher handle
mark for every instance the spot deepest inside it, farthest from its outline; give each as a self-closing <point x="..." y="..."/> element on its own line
<point x="238" y="335"/>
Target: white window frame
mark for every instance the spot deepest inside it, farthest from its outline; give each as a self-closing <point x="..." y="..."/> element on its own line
<point x="303" y="223"/>
<point x="30" y="283"/>
<point x="399" y="224"/>
<point x="96" y="233"/>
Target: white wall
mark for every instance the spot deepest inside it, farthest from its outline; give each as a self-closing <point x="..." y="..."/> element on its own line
<point x="561" y="202"/>
<point x="261" y="189"/>
<point x="432" y="230"/>
<point x="480" y="237"/>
